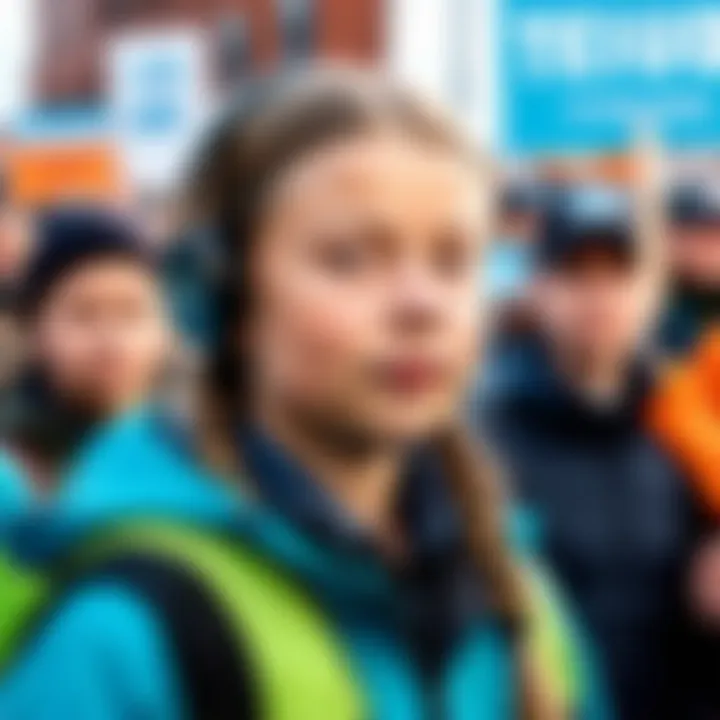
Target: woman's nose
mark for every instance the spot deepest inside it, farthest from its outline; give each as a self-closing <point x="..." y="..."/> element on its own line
<point x="416" y="302"/>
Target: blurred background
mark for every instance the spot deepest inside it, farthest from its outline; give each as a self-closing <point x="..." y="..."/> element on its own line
<point x="104" y="100"/>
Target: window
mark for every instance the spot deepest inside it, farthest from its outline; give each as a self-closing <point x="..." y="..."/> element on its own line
<point x="297" y="28"/>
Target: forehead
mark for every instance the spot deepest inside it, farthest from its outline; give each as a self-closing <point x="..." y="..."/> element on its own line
<point x="388" y="172"/>
<point x="106" y="276"/>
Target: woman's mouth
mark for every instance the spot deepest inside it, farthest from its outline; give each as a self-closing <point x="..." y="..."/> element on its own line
<point x="411" y="375"/>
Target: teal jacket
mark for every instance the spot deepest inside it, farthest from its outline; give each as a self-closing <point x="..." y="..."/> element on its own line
<point x="14" y="491"/>
<point x="105" y="653"/>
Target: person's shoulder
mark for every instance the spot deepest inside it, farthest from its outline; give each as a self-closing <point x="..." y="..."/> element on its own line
<point x="101" y="635"/>
<point x="102" y="616"/>
<point x="107" y="611"/>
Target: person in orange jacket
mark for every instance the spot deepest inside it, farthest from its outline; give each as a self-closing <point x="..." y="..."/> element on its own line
<point x="684" y="414"/>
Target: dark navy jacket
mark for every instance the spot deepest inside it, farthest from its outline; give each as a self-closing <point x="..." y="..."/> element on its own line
<point x="615" y="520"/>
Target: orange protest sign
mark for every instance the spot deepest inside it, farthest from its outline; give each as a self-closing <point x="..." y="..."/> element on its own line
<point x="54" y="172"/>
<point x="625" y="169"/>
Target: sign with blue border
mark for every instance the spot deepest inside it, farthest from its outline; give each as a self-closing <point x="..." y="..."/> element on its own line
<point x="159" y="97"/>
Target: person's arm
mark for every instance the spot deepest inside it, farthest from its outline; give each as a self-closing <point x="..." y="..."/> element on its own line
<point x="684" y="415"/>
<point x="103" y="655"/>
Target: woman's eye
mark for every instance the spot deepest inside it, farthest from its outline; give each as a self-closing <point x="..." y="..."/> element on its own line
<point x="455" y="259"/>
<point x="343" y="257"/>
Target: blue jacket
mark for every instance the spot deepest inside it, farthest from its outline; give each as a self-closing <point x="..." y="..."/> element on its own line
<point x="14" y="490"/>
<point x="105" y="655"/>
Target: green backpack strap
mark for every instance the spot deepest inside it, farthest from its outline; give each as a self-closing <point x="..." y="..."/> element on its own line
<point x="24" y="594"/>
<point x="300" y="667"/>
<point x="301" y="664"/>
<point x="553" y="640"/>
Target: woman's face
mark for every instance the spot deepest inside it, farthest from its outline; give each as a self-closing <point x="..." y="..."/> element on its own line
<point x="366" y="318"/>
<point x="101" y="335"/>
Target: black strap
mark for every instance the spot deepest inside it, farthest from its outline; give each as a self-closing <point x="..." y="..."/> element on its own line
<point x="214" y="669"/>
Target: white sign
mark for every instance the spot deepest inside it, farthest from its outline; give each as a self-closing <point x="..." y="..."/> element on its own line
<point x="159" y="98"/>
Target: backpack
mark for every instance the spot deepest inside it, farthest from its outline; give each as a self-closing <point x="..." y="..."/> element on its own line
<point x="228" y="611"/>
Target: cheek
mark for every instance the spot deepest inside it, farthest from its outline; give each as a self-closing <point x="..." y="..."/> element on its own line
<point x="60" y="343"/>
<point x="467" y="334"/>
<point x="144" y="341"/>
<point x="647" y="301"/>
<point x="65" y="351"/>
<point x="314" y="336"/>
<point x="555" y="311"/>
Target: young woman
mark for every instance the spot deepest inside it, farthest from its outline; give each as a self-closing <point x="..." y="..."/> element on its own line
<point x="326" y="546"/>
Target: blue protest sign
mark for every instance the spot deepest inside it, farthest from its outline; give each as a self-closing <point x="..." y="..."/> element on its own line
<point x="593" y="75"/>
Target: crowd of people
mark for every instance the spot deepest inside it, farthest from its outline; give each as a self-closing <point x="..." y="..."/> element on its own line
<point x="298" y="466"/>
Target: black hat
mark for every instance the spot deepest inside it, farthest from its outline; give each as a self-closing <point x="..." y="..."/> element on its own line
<point x="70" y="237"/>
<point x="582" y="217"/>
<point x="694" y="204"/>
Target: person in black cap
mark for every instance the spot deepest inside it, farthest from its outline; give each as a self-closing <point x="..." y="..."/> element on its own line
<point x="568" y="424"/>
<point x="695" y="246"/>
<point x="93" y="322"/>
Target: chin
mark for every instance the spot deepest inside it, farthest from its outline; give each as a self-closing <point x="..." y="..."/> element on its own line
<point x="376" y="421"/>
<point x="104" y="406"/>
<point x="409" y="429"/>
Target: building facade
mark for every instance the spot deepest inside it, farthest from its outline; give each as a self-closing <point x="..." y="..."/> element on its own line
<point x="244" y="35"/>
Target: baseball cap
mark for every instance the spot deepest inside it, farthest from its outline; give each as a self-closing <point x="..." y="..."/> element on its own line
<point x="579" y="218"/>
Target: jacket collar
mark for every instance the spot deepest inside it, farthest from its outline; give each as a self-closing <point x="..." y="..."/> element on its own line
<point x="38" y="420"/>
<point x="542" y="394"/>
<point x="426" y="510"/>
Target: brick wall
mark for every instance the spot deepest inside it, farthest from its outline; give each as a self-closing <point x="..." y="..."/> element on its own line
<point x="74" y="32"/>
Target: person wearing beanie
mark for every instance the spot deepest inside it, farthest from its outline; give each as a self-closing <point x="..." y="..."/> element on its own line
<point x="93" y="327"/>
<point x="568" y="423"/>
<point x="95" y="335"/>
